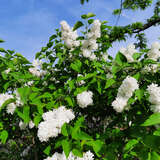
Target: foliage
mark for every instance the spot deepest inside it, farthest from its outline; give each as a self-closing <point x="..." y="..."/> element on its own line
<point x="99" y="128"/>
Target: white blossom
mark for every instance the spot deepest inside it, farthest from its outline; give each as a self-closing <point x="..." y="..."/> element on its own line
<point x="125" y="91"/>
<point x="154" y="52"/>
<point x="84" y="99"/>
<point x="68" y="35"/>
<point x="154" y="92"/>
<point x="37" y="70"/>
<point x="11" y="108"/>
<point x="119" y="104"/>
<point x="151" y="68"/>
<point x="31" y="124"/>
<point x="90" y="43"/>
<point x="58" y="156"/>
<point x="53" y="121"/>
<point x="22" y="125"/>
<point x="155" y="108"/>
<point x="128" y="86"/>
<point x="128" y="52"/>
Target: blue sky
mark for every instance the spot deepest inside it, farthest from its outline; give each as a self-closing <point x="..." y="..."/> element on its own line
<point x="27" y="25"/>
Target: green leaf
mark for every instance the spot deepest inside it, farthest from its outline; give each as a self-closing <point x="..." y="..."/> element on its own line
<point x="76" y="65"/>
<point x="1" y="41"/>
<point x="99" y="89"/>
<point x="153" y="156"/>
<point x="64" y="130"/>
<point x="136" y="56"/>
<point x="137" y="76"/>
<point x="139" y="93"/>
<point x="90" y="21"/>
<point x="84" y="16"/>
<point x="152" y="120"/>
<point x="152" y="142"/>
<point x="3" y="50"/>
<point x="8" y="101"/>
<point x="97" y="145"/>
<point x="130" y="145"/>
<point x="89" y="15"/>
<point x="37" y="119"/>
<point x="3" y="136"/>
<point x="67" y="146"/>
<point x="109" y="83"/>
<point x="47" y="150"/>
<point x="120" y="59"/>
<point x="25" y="115"/>
<point x="77" y="152"/>
<point x="69" y="100"/>
<point x="77" y="25"/>
<point x="83" y="136"/>
<point x="24" y="93"/>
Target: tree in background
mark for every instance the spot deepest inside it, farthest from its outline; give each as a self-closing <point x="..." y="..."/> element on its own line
<point x="136" y="29"/>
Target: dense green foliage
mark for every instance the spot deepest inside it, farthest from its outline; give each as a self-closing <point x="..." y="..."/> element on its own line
<point x="109" y="135"/>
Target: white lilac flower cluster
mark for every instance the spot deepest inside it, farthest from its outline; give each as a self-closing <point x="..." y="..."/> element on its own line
<point x="68" y="35"/>
<point x="151" y="68"/>
<point x="154" y="91"/>
<point x="10" y="107"/>
<point x="84" y="99"/>
<point x="53" y="121"/>
<point x="58" y="156"/>
<point x="128" y="52"/>
<point x="154" y="52"/>
<point x="125" y="91"/>
<point x="90" y="43"/>
<point x="36" y="70"/>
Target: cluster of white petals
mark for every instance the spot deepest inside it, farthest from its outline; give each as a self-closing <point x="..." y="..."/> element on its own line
<point x="10" y="107"/>
<point x="154" y="98"/>
<point x="154" y="52"/>
<point x="58" y="156"/>
<point x="125" y="91"/>
<point x="37" y="70"/>
<point x="68" y="35"/>
<point x="90" y="44"/>
<point x="53" y="121"/>
<point x="151" y="68"/>
<point x="84" y="99"/>
<point x="128" y="52"/>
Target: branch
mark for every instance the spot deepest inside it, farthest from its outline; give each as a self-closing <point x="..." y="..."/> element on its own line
<point x="147" y="25"/>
